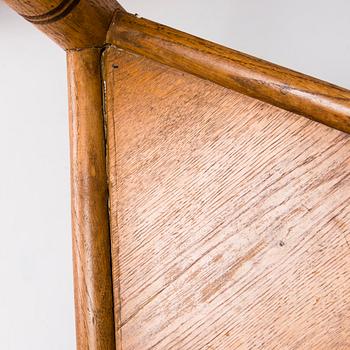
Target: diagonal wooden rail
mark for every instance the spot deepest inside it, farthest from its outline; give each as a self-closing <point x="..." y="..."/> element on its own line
<point x="290" y="90"/>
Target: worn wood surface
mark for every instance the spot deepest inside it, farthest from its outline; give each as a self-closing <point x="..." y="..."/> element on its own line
<point x="230" y="218"/>
<point x="91" y="242"/>
<point x="276" y="85"/>
<point x="70" y="23"/>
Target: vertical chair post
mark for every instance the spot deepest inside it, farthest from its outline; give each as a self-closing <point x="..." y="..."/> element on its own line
<point x="91" y="241"/>
<point x="80" y="27"/>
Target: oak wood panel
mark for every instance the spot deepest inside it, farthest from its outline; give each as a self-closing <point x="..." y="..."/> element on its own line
<point x="230" y="222"/>
<point x="91" y="241"/>
<point x="70" y="23"/>
<point x="293" y="91"/>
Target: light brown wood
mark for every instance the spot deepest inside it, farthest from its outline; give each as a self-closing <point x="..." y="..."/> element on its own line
<point x="71" y="24"/>
<point x="91" y="241"/>
<point x="276" y="85"/>
<point x="230" y="218"/>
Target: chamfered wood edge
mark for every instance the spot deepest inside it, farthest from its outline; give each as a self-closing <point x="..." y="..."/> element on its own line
<point x="72" y="24"/>
<point x="276" y="85"/>
<point x="93" y="289"/>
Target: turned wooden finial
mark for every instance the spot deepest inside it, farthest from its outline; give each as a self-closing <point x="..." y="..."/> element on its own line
<point x="72" y="24"/>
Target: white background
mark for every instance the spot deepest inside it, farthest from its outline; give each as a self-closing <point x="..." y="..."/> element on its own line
<point x="36" y="292"/>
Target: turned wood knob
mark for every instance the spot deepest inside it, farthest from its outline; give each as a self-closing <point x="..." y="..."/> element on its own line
<point x="72" y="24"/>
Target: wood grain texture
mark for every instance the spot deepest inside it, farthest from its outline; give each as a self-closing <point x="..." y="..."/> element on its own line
<point x="265" y="81"/>
<point x="230" y="218"/>
<point x="71" y="24"/>
<point x="91" y="241"/>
